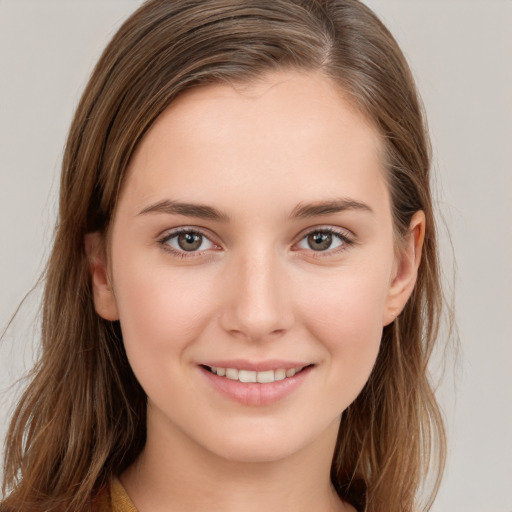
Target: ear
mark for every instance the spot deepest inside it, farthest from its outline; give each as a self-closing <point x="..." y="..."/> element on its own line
<point x="104" y="300"/>
<point x="408" y="262"/>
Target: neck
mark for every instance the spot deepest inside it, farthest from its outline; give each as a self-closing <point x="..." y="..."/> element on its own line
<point x="178" y="474"/>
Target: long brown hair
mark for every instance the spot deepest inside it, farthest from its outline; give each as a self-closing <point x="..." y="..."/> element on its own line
<point x="82" y="418"/>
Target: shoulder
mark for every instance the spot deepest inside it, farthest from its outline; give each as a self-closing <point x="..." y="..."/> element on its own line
<point x="113" y="499"/>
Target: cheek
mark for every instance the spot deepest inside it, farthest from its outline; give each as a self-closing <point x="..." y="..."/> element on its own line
<point x="160" y="311"/>
<point x="348" y="301"/>
<point x="347" y="319"/>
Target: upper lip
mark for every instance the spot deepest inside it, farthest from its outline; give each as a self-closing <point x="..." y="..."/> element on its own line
<point x="258" y="366"/>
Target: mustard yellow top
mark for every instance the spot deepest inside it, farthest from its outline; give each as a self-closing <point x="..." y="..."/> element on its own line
<point x="116" y="500"/>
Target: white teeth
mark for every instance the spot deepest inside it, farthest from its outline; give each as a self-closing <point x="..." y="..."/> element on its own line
<point x="232" y="373"/>
<point x="246" y="376"/>
<point x="263" y="377"/>
<point x="280" y="374"/>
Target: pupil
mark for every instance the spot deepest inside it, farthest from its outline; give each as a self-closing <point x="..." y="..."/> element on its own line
<point x="189" y="241"/>
<point x="320" y="241"/>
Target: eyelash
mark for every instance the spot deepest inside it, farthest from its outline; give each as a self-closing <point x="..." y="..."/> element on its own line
<point x="175" y="233"/>
<point x="345" y="239"/>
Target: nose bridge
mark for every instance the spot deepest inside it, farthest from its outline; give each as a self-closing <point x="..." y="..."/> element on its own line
<point x="259" y="303"/>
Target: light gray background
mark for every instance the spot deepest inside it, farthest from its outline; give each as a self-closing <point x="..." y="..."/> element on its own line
<point x="461" y="54"/>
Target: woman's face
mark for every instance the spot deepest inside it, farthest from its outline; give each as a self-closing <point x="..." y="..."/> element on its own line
<point x="253" y="237"/>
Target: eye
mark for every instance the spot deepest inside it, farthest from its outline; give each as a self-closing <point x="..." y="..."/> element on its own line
<point x="323" y="240"/>
<point x="187" y="241"/>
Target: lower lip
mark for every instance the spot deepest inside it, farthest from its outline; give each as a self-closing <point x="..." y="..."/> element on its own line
<point x="255" y="393"/>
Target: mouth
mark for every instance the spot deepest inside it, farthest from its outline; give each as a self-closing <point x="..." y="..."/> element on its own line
<point x="253" y="376"/>
<point x="260" y="383"/>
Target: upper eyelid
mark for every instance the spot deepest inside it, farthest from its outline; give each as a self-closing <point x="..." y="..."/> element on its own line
<point x="172" y="232"/>
<point x="346" y="236"/>
<point x="344" y="233"/>
<point x="167" y="235"/>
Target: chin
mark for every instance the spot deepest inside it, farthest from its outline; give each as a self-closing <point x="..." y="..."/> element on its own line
<point x="266" y="450"/>
<point x="259" y="443"/>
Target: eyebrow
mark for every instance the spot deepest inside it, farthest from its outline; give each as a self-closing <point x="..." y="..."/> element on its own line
<point x="301" y="211"/>
<point x="304" y="211"/>
<point x="200" y="211"/>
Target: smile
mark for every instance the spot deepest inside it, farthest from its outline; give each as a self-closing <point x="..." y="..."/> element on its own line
<point x="263" y="377"/>
<point x="256" y="383"/>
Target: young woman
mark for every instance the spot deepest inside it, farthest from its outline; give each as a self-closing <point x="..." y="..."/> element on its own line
<point x="243" y="292"/>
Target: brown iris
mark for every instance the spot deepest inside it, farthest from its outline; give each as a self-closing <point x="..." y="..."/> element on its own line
<point x="190" y="241"/>
<point x="320" y="241"/>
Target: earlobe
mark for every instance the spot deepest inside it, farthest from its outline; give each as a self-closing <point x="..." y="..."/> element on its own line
<point x="104" y="299"/>
<point x="406" y="274"/>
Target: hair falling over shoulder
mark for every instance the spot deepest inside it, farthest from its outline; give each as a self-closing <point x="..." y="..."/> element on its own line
<point x="82" y="419"/>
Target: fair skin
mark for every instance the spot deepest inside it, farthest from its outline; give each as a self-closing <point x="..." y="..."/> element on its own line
<point x="293" y="264"/>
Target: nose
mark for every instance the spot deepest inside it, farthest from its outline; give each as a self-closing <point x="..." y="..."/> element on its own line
<point x="259" y="302"/>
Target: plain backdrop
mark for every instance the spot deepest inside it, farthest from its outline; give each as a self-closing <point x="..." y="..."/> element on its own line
<point x="461" y="54"/>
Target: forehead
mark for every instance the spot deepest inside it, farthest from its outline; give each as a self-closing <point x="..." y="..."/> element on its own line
<point x="296" y="131"/>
